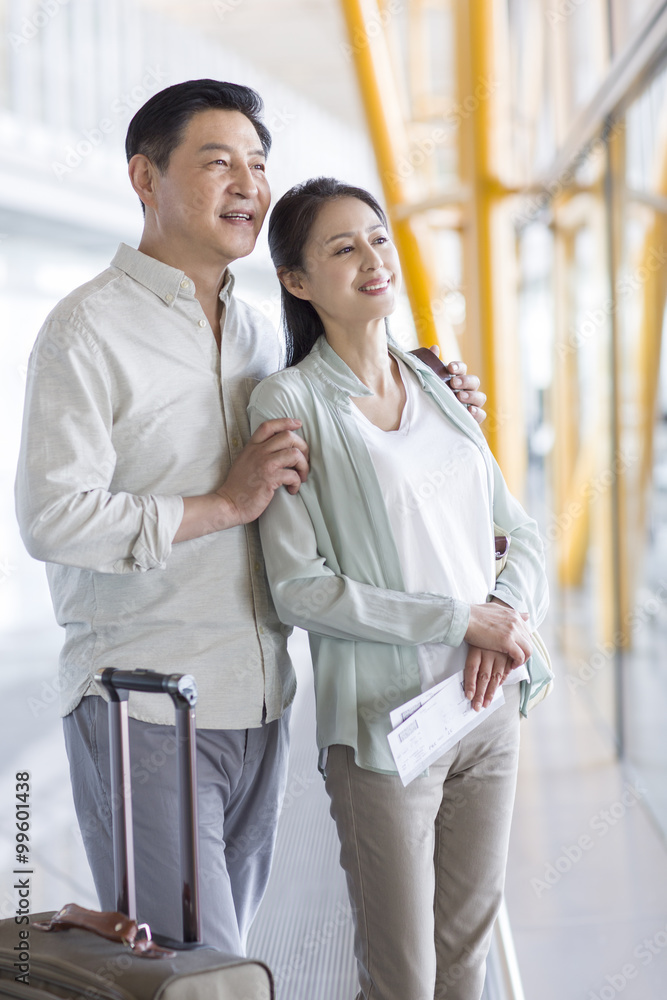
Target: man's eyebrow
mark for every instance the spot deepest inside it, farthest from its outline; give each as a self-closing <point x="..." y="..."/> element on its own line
<point x="210" y="147"/>
<point x="338" y="236"/>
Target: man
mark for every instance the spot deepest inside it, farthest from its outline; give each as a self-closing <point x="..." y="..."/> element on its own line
<point x="139" y="485"/>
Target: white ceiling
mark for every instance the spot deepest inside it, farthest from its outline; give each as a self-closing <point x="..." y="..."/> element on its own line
<point x="300" y="42"/>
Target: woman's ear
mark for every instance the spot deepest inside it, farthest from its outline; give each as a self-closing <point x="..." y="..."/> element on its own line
<point x="293" y="282"/>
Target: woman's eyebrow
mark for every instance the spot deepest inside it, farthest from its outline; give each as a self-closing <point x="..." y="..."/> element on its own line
<point x="339" y="236"/>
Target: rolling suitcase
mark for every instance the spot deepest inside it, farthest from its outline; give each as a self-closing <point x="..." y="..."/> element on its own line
<point x="86" y="955"/>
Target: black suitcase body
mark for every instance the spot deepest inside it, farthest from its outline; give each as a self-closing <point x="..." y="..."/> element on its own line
<point x="79" y="965"/>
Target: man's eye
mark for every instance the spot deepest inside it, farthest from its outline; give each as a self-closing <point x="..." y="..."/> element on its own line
<point x="259" y="166"/>
<point x="223" y="163"/>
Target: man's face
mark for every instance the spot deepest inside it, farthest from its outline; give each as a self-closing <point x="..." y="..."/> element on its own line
<point x="213" y="197"/>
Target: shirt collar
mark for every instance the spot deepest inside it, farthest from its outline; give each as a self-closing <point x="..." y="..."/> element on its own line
<point x="332" y="367"/>
<point x="165" y="281"/>
<point x="340" y="382"/>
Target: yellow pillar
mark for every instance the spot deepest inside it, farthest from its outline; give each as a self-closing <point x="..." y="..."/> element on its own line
<point x="490" y="276"/>
<point x="382" y="104"/>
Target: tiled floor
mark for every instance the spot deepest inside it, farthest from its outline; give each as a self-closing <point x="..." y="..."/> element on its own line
<point x="587" y="877"/>
<point x="587" y="920"/>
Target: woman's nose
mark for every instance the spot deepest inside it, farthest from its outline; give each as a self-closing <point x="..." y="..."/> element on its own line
<point x="371" y="259"/>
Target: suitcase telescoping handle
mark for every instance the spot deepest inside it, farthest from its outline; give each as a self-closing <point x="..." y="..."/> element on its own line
<point x="183" y="692"/>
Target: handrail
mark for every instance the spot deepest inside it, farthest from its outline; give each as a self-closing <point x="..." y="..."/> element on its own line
<point x="509" y="966"/>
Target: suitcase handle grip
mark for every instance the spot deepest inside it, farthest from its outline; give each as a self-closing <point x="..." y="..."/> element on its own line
<point x="181" y="687"/>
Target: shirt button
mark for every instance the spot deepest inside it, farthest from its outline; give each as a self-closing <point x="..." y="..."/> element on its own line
<point x="202" y="322"/>
<point x="261" y="630"/>
<point x="169" y="297"/>
<point x="185" y="283"/>
<point x="235" y="442"/>
<point x="257" y="567"/>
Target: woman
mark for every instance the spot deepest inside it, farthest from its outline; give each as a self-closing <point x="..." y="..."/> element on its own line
<point x="386" y="557"/>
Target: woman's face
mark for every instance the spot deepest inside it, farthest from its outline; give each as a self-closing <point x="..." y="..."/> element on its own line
<point x="351" y="269"/>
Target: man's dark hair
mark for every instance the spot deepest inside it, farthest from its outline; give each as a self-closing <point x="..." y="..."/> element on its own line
<point x="289" y="229"/>
<point x="159" y="126"/>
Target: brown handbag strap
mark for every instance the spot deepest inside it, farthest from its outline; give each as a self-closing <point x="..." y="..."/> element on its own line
<point x="112" y="926"/>
<point x="433" y="361"/>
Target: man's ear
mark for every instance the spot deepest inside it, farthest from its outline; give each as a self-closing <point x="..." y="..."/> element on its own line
<point x="293" y="282"/>
<point x="143" y="178"/>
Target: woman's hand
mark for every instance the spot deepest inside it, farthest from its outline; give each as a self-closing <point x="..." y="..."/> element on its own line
<point x="497" y="627"/>
<point x="499" y="640"/>
<point x="465" y="388"/>
<point x="485" y="671"/>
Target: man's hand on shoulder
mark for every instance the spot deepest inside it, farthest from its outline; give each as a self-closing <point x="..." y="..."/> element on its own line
<point x="274" y="456"/>
<point x="466" y="388"/>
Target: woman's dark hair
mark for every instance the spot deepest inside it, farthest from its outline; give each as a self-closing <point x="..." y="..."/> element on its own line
<point x="289" y="229"/>
<point x="159" y="126"/>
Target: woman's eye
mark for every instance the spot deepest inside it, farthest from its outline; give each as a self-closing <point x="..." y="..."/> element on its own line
<point x="344" y="250"/>
<point x="382" y="239"/>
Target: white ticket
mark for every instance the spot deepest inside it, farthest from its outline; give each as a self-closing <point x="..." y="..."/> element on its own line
<point x="428" y="725"/>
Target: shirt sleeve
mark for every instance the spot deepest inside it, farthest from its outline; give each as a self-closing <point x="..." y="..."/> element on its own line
<point x="523" y="582"/>
<point x="66" y="510"/>
<point x="309" y="594"/>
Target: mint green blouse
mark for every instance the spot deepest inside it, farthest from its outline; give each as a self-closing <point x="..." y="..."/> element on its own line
<point x="333" y="566"/>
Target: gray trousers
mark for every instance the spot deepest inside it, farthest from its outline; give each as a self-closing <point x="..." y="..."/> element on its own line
<point x="241" y="776"/>
<point x="425" y="865"/>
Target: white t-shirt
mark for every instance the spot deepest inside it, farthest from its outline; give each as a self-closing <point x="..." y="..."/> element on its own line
<point x="434" y="482"/>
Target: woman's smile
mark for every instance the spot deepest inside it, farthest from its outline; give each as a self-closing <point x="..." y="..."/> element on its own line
<point x="376" y="287"/>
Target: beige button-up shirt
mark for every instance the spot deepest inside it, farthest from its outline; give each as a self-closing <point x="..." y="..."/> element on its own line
<point x="130" y="407"/>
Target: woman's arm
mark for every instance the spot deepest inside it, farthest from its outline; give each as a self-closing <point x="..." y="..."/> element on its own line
<point x="307" y="593"/>
<point x="523" y="582"/>
<point x="522" y="585"/>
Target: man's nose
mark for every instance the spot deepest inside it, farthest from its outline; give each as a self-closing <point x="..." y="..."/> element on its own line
<point x="244" y="181"/>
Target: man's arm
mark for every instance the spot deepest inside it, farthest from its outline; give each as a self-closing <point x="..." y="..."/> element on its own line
<point x="275" y="456"/>
<point x="66" y="510"/>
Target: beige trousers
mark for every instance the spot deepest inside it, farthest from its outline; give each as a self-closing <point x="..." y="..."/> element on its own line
<point x="425" y="865"/>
